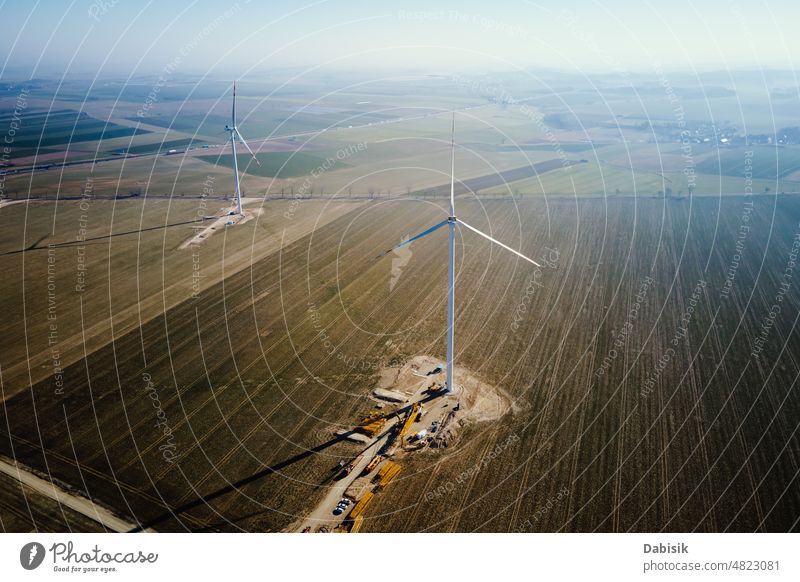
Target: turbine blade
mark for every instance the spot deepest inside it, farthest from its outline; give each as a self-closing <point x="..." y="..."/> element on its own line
<point x="453" y="166"/>
<point x="233" y="108"/>
<point x="244" y="143"/>
<point x="497" y="242"/>
<point x="413" y="238"/>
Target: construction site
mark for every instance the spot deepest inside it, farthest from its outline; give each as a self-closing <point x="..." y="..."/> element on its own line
<point x="412" y="411"/>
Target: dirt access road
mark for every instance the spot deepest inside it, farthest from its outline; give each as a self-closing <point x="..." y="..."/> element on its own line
<point x="75" y="502"/>
<point x="323" y="512"/>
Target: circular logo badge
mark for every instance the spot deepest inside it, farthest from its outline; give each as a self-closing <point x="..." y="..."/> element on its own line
<point x="31" y="555"/>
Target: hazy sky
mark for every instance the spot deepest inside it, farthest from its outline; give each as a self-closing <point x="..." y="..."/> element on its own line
<point x="215" y="37"/>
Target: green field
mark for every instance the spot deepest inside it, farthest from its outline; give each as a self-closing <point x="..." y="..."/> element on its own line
<point x="161" y="146"/>
<point x="63" y="127"/>
<point x="266" y="119"/>
<point x="590" y="179"/>
<point x="768" y="162"/>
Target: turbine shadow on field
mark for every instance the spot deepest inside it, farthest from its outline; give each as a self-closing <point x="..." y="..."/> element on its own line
<point x="241" y="483"/>
<point x="35" y="246"/>
<point x="205" y="499"/>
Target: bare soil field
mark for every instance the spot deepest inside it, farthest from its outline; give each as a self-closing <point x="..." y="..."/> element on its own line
<point x="117" y="264"/>
<point x="650" y="388"/>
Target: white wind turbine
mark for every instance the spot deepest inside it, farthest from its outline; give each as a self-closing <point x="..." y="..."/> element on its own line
<point x="452" y="221"/>
<point x="234" y="131"/>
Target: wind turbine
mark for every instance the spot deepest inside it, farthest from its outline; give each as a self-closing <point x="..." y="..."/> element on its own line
<point x="234" y="131"/>
<point x="451" y="222"/>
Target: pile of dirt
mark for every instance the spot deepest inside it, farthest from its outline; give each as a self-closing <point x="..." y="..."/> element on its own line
<point x="480" y="401"/>
<point x="355" y="437"/>
<point x="389" y="395"/>
<point x="221" y="220"/>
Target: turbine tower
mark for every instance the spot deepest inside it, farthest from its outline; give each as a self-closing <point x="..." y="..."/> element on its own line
<point x="451" y="223"/>
<point x="234" y="131"/>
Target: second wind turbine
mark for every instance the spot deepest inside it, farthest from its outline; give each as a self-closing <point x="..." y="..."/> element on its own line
<point x="234" y="131"/>
<point x="451" y="223"/>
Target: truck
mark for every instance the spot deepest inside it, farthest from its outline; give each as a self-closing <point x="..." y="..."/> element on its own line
<point x="349" y="467"/>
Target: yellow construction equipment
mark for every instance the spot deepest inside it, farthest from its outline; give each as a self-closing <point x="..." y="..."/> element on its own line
<point x="384" y="470"/>
<point x="359" y="507"/>
<point x="372" y="427"/>
<point x="370" y="417"/>
<point x="387" y="474"/>
<point x="372" y="424"/>
<point x="372" y="464"/>
<point x="357" y="524"/>
<point x="410" y="419"/>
